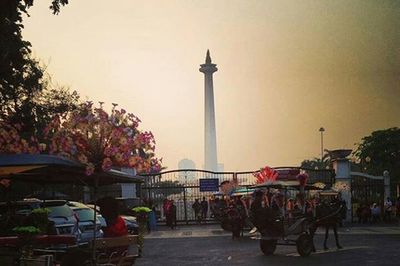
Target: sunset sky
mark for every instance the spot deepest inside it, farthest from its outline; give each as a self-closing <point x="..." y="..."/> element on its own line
<point x="286" y="68"/>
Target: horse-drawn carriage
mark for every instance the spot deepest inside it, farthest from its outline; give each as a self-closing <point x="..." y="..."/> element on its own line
<point x="280" y="226"/>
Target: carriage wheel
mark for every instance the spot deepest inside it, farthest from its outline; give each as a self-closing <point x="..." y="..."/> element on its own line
<point x="268" y="246"/>
<point x="304" y="245"/>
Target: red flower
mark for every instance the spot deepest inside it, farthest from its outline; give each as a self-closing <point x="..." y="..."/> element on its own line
<point x="266" y="174"/>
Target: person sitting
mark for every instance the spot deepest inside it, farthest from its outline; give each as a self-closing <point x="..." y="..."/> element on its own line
<point x="115" y="224"/>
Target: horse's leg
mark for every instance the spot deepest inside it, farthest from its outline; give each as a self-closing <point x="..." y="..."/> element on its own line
<point x="312" y="233"/>
<point x="336" y="237"/>
<point x="326" y="236"/>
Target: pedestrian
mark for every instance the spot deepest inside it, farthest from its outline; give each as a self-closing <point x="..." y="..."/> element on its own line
<point x="359" y="213"/>
<point x="388" y="210"/>
<point x="366" y="214"/>
<point x="213" y="206"/>
<point x="256" y="208"/>
<point x="197" y="210"/>
<point x="375" y="213"/>
<point x="236" y="217"/>
<point x="167" y="211"/>
<point x="204" y="209"/>
<point x="172" y="213"/>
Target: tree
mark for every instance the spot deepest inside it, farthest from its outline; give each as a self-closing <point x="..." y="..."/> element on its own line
<point x="23" y="83"/>
<point x="380" y="151"/>
<point x="101" y="140"/>
<point x="316" y="163"/>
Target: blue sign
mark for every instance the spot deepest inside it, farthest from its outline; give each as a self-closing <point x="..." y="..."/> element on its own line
<point x="209" y="184"/>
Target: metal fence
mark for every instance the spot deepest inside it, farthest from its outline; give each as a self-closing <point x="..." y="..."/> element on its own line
<point x="365" y="191"/>
<point x="183" y="186"/>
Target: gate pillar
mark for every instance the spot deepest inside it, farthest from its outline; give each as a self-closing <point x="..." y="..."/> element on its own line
<point x="342" y="171"/>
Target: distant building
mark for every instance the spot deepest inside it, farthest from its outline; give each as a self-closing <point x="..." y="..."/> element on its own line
<point x="185" y="177"/>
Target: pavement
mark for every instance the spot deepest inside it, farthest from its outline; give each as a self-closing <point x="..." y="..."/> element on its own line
<point x="213" y="230"/>
<point x="209" y="245"/>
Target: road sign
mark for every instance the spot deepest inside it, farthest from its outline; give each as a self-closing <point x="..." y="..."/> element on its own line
<point x="209" y="184"/>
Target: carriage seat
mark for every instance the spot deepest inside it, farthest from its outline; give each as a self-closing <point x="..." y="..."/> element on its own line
<point x="119" y="251"/>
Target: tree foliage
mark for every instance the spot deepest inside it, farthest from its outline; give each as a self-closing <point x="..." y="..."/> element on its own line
<point x="380" y="151"/>
<point x="26" y="96"/>
<point x="316" y="163"/>
<point x="101" y="140"/>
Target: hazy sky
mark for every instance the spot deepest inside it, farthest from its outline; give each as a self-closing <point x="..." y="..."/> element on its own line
<point x="286" y="68"/>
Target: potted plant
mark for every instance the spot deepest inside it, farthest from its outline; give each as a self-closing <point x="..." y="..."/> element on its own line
<point x="142" y="218"/>
<point x="40" y="218"/>
<point x="26" y="235"/>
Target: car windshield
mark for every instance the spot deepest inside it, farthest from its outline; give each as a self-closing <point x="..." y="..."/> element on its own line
<point x="85" y="214"/>
<point x="59" y="211"/>
<point x="25" y="208"/>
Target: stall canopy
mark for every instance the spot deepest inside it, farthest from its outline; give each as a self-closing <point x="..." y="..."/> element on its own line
<point x="285" y="185"/>
<point x="46" y="169"/>
<point x="243" y="191"/>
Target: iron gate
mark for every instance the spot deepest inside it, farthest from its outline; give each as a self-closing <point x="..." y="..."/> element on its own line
<point x="366" y="191"/>
<point x="183" y="187"/>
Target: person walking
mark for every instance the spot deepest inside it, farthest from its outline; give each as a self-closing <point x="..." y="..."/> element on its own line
<point x="197" y="208"/>
<point x="388" y="210"/>
<point x="172" y="213"/>
<point x="204" y="209"/>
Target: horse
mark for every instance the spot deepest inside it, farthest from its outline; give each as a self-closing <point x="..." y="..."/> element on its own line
<point x="328" y="215"/>
<point x="232" y="219"/>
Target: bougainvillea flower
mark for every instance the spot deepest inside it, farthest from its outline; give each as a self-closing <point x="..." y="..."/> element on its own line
<point x="98" y="139"/>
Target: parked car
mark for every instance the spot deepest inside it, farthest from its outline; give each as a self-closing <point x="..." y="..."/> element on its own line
<point x="131" y="224"/>
<point x="85" y="222"/>
<point x="62" y="216"/>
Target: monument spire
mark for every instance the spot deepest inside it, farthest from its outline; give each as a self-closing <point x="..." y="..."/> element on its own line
<point x="210" y="139"/>
<point x="208" y="57"/>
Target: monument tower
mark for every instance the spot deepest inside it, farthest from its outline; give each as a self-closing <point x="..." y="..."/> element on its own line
<point x="210" y="139"/>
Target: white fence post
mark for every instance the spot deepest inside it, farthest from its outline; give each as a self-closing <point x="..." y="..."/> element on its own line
<point x="342" y="170"/>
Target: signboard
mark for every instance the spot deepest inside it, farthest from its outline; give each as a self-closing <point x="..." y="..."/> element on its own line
<point x="287" y="174"/>
<point x="209" y="184"/>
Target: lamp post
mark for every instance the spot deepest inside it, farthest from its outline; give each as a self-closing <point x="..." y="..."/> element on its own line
<point x="322" y="130"/>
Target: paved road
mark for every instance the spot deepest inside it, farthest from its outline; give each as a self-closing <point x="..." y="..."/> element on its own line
<point x="191" y="246"/>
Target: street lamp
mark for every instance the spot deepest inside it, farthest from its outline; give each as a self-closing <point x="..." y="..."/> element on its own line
<point x="322" y="130"/>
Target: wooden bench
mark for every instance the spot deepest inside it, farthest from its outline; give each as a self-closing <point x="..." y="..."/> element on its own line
<point x="116" y="250"/>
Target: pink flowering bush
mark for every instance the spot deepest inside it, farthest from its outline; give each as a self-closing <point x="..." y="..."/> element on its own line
<point x="11" y="141"/>
<point x="101" y="140"/>
<point x="92" y="136"/>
